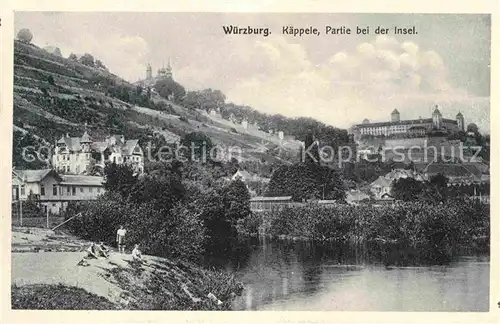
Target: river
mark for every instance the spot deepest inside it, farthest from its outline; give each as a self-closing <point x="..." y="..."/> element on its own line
<point x="284" y="275"/>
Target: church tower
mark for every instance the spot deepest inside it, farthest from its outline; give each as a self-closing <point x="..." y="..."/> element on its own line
<point x="436" y="118"/>
<point x="460" y="122"/>
<point x="149" y="72"/>
<point x="168" y="73"/>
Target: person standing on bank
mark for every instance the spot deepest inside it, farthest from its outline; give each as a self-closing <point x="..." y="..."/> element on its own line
<point x="120" y="239"/>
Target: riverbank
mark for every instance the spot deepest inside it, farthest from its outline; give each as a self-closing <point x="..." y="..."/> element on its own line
<point x="48" y="267"/>
<point x="429" y="233"/>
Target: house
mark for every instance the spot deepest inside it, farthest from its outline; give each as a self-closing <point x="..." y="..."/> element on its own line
<point x="243" y="176"/>
<point x="381" y="188"/>
<point x="74" y="155"/>
<point x="215" y="113"/>
<point x="53" y="190"/>
<point x="354" y="197"/>
<point x="457" y="173"/>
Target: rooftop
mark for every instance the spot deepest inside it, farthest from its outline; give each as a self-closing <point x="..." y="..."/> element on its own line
<point x="82" y="180"/>
<point x="284" y="198"/>
<point x="34" y="175"/>
<point x="404" y="122"/>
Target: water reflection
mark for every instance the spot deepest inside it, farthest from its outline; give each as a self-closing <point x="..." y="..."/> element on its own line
<point x="304" y="276"/>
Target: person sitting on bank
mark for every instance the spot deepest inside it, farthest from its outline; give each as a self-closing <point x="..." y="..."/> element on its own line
<point x="91" y="253"/>
<point x="137" y="255"/>
<point x="102" y="250"/>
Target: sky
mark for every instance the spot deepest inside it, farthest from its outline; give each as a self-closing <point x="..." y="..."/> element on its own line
<point x="337" y="79"/>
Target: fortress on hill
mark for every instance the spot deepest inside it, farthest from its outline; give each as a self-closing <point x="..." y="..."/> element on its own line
<point x="411" y="127"/>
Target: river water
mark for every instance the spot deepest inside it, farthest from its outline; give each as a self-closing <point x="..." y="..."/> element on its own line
<point x="301" y="276"/>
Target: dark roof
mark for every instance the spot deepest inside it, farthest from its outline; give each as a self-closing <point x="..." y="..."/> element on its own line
<point x="395" y="111"/>
<point x="459" y="114"/>
<point x="35" y="175"/>
<point x="85" y="138"/>
<point x="449" y="170"/>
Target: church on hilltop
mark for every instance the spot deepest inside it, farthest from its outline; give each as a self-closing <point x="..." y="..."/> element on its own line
<point x="163" y="73"/>
<point x="411" y="127"/>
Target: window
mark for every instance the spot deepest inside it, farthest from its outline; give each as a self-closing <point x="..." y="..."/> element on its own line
<point x="60" y="191"/>
<point x="81" y="189"/>
<point x="98" y="190"/>
<point x="54" y="190"/>
<point x="114" y="159"/>
<point x="23" y="190"/>
<point x="73" y="191"/>
<point x="68" y="191"/>
<point x="90" y="189"/>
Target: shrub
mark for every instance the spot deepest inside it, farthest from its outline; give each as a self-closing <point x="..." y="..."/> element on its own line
<point x="433" y="231"/>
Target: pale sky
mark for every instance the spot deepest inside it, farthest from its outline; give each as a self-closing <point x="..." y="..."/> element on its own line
<point x="338" y="79"/>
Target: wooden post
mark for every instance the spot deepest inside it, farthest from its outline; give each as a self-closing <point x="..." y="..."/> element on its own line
<point x="20" y="212"/>
<point x="46" y="206"/>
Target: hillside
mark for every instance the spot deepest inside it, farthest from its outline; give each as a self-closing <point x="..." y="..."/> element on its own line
<point x="54" y="96"/>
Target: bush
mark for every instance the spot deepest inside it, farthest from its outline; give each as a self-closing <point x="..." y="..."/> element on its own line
<point x="175" y="233"/>
<point x="433" y="232"/>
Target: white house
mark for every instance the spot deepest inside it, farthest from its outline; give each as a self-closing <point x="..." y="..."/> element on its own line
<point x="73" y="155"/>
<point x="381" y="188"/>
<point x="244" y="124"/>
<point x="243" y="176"/>
<point x="52" y="190"/>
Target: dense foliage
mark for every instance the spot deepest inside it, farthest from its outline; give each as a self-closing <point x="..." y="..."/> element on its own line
<point x="423" y="232"/>
<point x="306" y="181"/>
<point x="27" y="152"/>
<point x="176" y="209"/>
<point x="434" y="190"/>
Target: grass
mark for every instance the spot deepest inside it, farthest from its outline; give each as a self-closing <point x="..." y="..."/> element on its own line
<point x="164" y="288"/>
<point x="57" y="297"/>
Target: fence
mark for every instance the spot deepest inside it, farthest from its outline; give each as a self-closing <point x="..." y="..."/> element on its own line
<point x="40" y="222"/>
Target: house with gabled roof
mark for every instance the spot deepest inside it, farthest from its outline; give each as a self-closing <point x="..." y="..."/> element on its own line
<point x="74" y="155"/>
<point x="243" y="176"/>
<point x="53" y="191"/>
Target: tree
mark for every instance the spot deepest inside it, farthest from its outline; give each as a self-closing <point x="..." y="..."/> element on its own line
<point x="472" y="128"/>
<point x="311" y="153"/>
<point x="24" y="148"/>
<point x="119" y="178"/>
<point x="197" y="146"/>
<point x="87" y="59"/>
<point x="73" y="57"/>
<point x="236" y="199"/>
<point x="163" y="190"/>
<point x="406" y="189"/>
<point x="168" y="87"/>
<point x="439" y="181"/>
<point x="306" y="181"/>
<point x="25" y="35"/>
<point x="50" y="80"/>
<point x="100" y="65"/>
